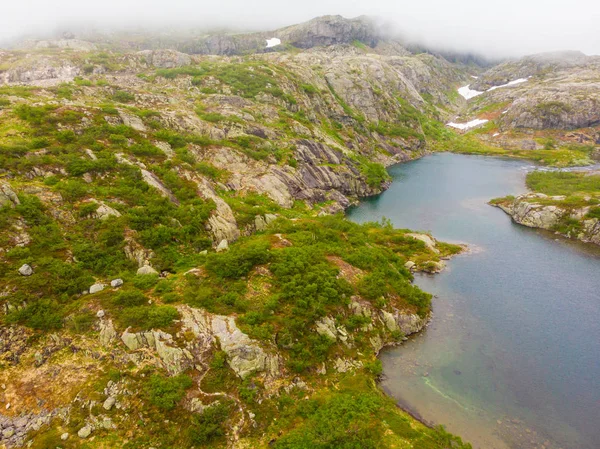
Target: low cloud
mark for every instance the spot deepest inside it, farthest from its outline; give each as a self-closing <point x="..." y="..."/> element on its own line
<point x="509" y="28"/>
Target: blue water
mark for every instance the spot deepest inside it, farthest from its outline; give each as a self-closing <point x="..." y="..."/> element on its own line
<point x="512" y="356"/>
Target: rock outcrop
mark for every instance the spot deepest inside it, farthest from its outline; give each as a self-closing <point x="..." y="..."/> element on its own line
<point x="526" y="211"/>
<point x="244" y="355"/>
<point x="533" y="211"/>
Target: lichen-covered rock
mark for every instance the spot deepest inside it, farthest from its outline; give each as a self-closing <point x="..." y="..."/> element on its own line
<point x="222" y="246"/>
<point x="84" y="432"/>
<point x="8" y="196"/>
<point x="244" y="355"/>
<point x="326" y="326"/>
<point x="25" y="270"/>
<point x="428" y="240"/>
<point x="526" y="211"/>
<point x="96" y="288"/>
<point x="146" y="269"/>
<point x="345" y="365"/>
<point x="174" y="359"/>
<point x="109" y="402"/>
<point x="108" y="334"/>
<point x="132" y="120"/>
<point x="165" y="59"/>
<point x="104" y="212"/>
<point x="116" y="283"/>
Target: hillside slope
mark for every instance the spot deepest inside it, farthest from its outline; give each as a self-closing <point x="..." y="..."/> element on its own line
<point x="172" y="261"/>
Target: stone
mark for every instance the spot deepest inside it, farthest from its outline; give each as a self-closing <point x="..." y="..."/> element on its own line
<point x="108" y="404"/>
<point x="429" y="241"/>
<point x="165" y="58"/>
<point x="25" y="270"/>
<point x="96" y="288"/>
<point x="64" y="436"/>
<point x="7" y="433"/>
<point x="104" y="212"/>
<point x="409" y="265"/>
<point x="389" y="321"/>
<point x="132" y="121"/>
<point x="345" y="365"/>
<point x="84" y="432"/>
<point x="7" y="196"/>
<point x="326" y="326"/>
<point x="100" y="314"/>
<point x="107" y="332"/>
<point x="116" y="283"/>
<point x="146" y="269"/>
<point x="222" y="246"/>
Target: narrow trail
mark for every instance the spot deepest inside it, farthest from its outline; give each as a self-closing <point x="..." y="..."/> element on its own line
<point x="234" y="436"/>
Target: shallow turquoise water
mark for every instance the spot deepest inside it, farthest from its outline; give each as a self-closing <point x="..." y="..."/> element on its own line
<point x="512" y="356"/>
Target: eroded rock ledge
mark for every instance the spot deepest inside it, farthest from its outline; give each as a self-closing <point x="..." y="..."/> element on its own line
<point x="537" y="210"/>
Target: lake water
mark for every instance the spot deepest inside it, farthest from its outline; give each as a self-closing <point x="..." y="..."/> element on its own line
<point x="511" y="358"/>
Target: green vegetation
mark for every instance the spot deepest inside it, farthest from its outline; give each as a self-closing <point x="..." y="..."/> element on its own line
<point x="563" y="183"/>
<point x="87" y="215"/>
<point x="166" y="392"/>
<point x="247" y="79"/>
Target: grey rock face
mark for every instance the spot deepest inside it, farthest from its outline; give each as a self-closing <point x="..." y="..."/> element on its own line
<point x="329" y="30"/>
<point x="526" y="211"/>
<point x="244" y="355"/>
<point x="562" y="91"/>
<point x="152" y="180"/>
<point x="174" y="359"/>
<point x="25" y="270"/>
<point x="321" y="31"/>
<point x="166" y="59"/>
<point x="222" y="223"/>
<point x="41" y="71"/>
<point x="104" y="212"/>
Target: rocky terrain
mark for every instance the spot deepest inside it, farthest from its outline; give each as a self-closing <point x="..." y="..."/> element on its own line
<point x="568" y="207"/>
<point x="172" y="261"/>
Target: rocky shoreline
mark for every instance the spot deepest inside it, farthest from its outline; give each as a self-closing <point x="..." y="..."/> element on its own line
<point x="532" y="210"/>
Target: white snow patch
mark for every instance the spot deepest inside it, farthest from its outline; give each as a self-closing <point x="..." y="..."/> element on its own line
<point x="496" y="134"/>
<point x="475" y="77"/>
<point x="468" y="93"/>
<point x="504" y="112"/>
<point x="468" y="125"/>
<point x="273" y="42"/>
<point x="510" y="83"/>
